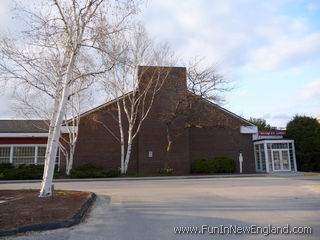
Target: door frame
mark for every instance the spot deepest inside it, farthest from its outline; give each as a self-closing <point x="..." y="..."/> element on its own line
<point x="280" y="150"/>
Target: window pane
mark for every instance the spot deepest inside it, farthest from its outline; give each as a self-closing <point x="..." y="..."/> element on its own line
<point x="263" y="159"/>
<point x="4" y="154"/>
<point x="41" y="155"/>
<point x="258" y="163"/>
<point x="23" y="155"/>
<point x="270" y="160"/>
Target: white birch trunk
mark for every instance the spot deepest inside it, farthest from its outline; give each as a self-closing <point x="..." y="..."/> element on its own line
<point x="128" y="154"/>
<point x="53" y="143"/>
<point x="46" y="186"/>
<point x="121" y="139"/>
<point x="70" y="162"/>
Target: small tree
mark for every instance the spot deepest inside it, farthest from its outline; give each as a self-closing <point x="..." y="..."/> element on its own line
<point x="260" y="123"/>
<point x="305" y="131"/>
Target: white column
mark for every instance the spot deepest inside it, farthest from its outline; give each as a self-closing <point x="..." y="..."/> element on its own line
<point x="36" y="155"/>
<point x="294" y="157"/>
<point x="266" y="157"/>
<point x="11" y="154"/>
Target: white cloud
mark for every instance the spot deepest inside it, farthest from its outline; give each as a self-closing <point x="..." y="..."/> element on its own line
<point x="311" y="91"/>
<point x="244" y="33"/>
<point x="285" y="53"/>
<point x="313" y="6"/>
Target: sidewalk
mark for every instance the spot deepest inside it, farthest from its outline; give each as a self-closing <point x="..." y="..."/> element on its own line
<point x="280" y="174"/>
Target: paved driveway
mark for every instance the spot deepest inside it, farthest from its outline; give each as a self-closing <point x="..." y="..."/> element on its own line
<point x="151" y="209"/>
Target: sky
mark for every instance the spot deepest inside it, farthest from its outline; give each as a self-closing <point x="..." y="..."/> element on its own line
<point x="269" y="50"/>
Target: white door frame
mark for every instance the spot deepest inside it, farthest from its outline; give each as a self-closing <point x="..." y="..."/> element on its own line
<point x="280" y="150"/>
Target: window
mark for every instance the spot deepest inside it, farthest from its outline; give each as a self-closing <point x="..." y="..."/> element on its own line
<point x="258" y="163"/>
<point x="279" y="145"/>
<point x="23" y="155"/>
<point x="263" y="157"/>
<point x="5" y="154"/>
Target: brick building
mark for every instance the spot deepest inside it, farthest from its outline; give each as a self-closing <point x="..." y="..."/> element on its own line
<point x="223" y="134"/>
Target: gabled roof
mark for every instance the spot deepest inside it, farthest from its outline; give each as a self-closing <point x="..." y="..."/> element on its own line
<point x="226" y="111"/>
<point x="231" y="113"/>
<point x="103" y="105"/>
<point x="23" y="126"/>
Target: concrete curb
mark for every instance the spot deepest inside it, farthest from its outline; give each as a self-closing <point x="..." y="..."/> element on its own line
<point x="167" y="177"/>
<point x="136" y="178"/>
<point x="76" y="218"/>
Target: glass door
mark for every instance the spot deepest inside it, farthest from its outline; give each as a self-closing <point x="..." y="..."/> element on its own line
<point x="276" y="161"/>
<point x="285" y="160"/>
<point x="280" y="160"/>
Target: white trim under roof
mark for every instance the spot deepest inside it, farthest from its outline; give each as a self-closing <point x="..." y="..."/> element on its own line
<point x="64" y="129"/>
<point x="13" y="135"/>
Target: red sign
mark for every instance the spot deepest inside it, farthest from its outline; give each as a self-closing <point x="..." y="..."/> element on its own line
<point x="272" y="133"/>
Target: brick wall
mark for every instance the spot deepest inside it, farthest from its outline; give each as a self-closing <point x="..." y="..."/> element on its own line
<point x="222" y="138"/>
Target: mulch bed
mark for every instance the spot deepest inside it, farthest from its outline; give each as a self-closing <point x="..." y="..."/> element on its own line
<point x="23" y="207"/>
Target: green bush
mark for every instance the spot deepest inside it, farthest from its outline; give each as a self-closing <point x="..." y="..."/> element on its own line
<point x="22" y="172"/>
<point x="225" y="165"/>
<point x="217" y="165"/>
<point x="166" y="171"/>
<point x="4" y="166"/>
<point x="93" y="170"/>
<point x="133" y="174"/>
<point x="200" y="166"/>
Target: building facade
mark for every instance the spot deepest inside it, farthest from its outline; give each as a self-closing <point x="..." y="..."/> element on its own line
<point x="211" y="131"/>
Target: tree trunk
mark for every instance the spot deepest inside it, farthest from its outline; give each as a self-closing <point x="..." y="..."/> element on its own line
<point x="56" y="123"/>
<point x="168" y="149"/>
<point x="70" y="162"/>
<point x="126" y="163"/>
<point x="122" y="160"/>
<point x="46" y="186"/>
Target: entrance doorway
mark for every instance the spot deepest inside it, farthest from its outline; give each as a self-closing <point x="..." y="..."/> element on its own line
<point x="280" y="159"/>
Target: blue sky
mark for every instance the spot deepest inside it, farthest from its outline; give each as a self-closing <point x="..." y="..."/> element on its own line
<point x="269" y="49"/>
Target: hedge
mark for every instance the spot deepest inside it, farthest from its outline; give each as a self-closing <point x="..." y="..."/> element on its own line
<point x="93" y="170"/>
<point x="216" y="165"/>
<point x="25" y="172"/>
<point x="9" y="172"/>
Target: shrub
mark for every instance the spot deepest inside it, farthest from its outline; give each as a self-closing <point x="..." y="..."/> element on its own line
<point x="200" y="166"/>
<point x="225" y="165"/>
<point x="112" y="173"/>
<point x="217" y="165"/>
<point x="166" y="171"/>
<point x="133" y="174"/>
<point x="22" y="172"/>
<point x="93" y="170"/>
<point x="4" y="166"/>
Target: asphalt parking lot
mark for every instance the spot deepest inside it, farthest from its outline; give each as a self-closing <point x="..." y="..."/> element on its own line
<point x="155" y="209"/>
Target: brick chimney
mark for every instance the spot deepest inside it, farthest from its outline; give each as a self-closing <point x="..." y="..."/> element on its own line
<point x="171" y="78"/>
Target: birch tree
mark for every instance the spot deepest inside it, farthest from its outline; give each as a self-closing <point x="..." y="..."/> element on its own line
<point x="134" y="99"/>
<point x="56" y="35"/>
